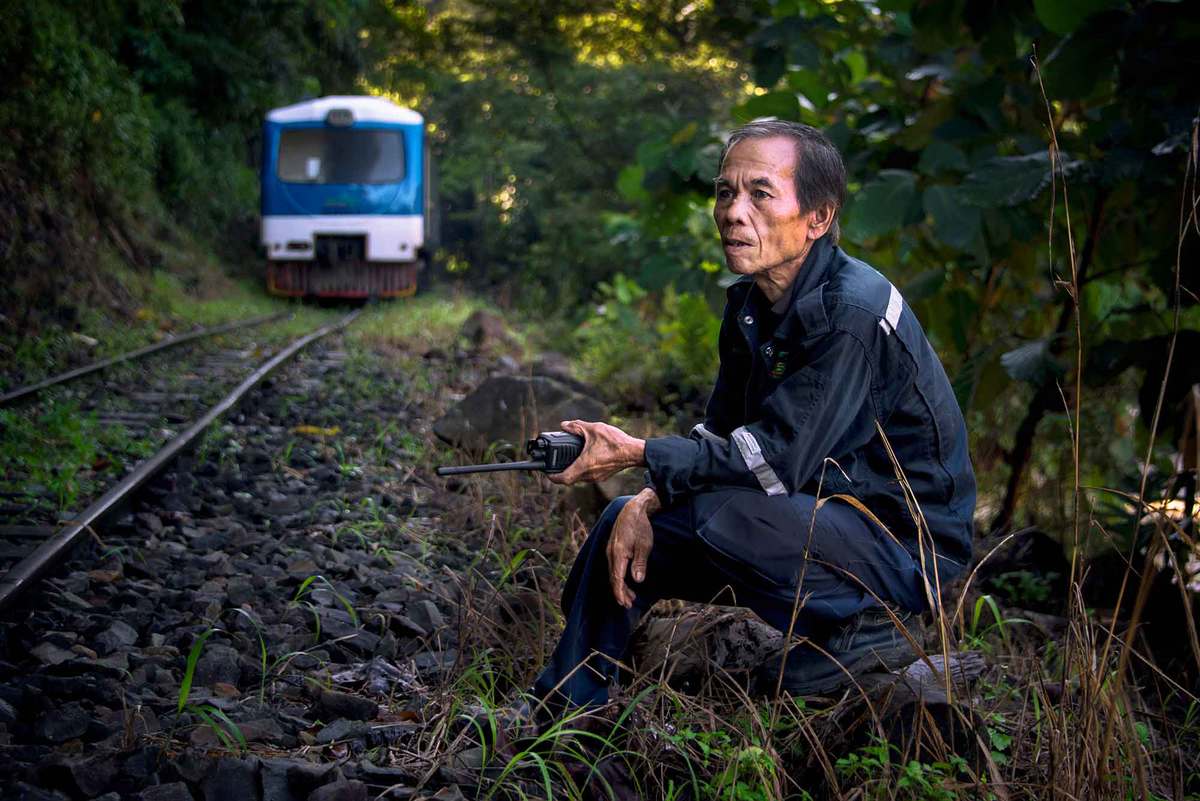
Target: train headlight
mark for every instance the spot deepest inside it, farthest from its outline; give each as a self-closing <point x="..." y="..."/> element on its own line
<point x="340" y="118"/>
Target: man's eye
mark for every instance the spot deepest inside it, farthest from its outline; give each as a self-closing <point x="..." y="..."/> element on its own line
<point x="760" y="194"/>
<point x="724" y="194"/>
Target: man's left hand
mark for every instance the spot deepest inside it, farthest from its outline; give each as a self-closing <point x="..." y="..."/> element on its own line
<point x="630" y="543"/>
<point x="607" y="450"/>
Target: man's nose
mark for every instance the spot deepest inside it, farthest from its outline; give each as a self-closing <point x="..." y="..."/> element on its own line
<point x="735" y="212"/>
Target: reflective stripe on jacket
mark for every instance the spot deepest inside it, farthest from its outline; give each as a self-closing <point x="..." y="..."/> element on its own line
<point x="802" y="410"/>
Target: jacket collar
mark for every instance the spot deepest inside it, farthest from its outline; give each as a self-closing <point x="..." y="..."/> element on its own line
<point x="813" y="273"/>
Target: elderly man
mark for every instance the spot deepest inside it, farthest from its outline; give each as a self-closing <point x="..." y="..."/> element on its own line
<point x="830" y="476"/>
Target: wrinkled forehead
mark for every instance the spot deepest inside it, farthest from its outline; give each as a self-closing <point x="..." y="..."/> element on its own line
<point x="772" y="158"/>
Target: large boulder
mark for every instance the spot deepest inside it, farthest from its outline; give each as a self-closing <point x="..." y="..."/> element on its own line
<point x="512" y="409"/>
<point x="557" y="366"/>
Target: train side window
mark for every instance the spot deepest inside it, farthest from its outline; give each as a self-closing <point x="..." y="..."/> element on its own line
<point x="341" y="156"/>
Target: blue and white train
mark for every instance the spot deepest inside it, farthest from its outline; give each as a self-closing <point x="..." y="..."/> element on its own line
<point x="345" y="198"/>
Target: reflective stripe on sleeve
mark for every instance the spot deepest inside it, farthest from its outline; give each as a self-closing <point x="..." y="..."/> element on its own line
<point x="752" y="454"/>
<point x="704" y="433"/>
<point x="891" y="317"/>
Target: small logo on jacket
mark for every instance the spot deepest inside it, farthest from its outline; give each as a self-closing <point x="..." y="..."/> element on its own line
<point x="780" y="365"/>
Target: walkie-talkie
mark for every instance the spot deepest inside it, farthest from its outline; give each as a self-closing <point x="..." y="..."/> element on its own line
<point x="549" y="452"/>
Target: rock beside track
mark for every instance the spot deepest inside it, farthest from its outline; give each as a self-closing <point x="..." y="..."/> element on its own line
<point x="509" y="408"/>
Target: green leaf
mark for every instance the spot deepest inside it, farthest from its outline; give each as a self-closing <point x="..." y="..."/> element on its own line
<point x="222" y="735"/>
<point x="954" y="222"/>
<point x="652" y="153"/>
<point x="667" y="214"/>
<point x="941" y="156"/>
<point x="857" y="63"/>
<point x="1064" y="16"/>
<point x="881" y="206"/>
<point x="685" y="134"/>
<point x="1079" y="64"/>
<point x="783" y="105"/>
<point x="1007" y="180"/>
<point x="769" y="62"/>
<point x="809" y="84"/>
<point x="918" y="133"/>
<point x="1032" y="362"/>
<point x="683" y="161"/>
<point x="304" y="585"/>
<point x="230" y="725"/>
<point x="189" y="672"/>
<point x="629" y="183"/>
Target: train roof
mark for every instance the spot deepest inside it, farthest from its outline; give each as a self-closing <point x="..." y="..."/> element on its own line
<point x="364" y="108"/>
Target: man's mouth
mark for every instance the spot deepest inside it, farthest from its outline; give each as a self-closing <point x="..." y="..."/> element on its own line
<point x="736" y="243"/>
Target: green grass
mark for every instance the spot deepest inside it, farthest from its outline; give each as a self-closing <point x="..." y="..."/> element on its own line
<point x="423" y="322"/>
<point x="879" y="772"/>
<point x="53" y="456"/>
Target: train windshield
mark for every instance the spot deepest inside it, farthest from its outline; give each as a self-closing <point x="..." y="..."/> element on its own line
<point x="341" y="156"/>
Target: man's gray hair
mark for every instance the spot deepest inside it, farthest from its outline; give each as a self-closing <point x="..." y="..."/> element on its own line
<point x="820" y="173"/>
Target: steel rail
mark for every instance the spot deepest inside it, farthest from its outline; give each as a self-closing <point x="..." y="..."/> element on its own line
<point x="70" y="375"/>
<point x="26" y="573"/>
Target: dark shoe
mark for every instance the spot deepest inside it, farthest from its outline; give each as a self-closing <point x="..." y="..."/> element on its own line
<point x="869" y="642"/>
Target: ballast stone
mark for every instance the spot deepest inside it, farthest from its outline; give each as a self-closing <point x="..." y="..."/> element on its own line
<point x="8" y="715"/>
<point x="60" y="725"/>
<point x="293" y="779"/>
<point x="174" y="791"/>
<point x="344" y="790"/>
<point x="118" y="635"/>
<point x="233" y="778"/>
<point x="345" y="705"/>
<point x="218" y="663"/>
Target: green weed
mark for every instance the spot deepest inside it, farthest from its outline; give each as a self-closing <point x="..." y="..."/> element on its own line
<point x="878" y="776"/>
<point x="228" y="732"/>
<point x="1024" y="587"/>
<point x="306" y="587"/>
<point x="976" y="634"/>
<point x="42" y="454"/>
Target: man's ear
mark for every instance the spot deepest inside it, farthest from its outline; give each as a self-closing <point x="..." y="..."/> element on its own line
<point x="819" y="221"/>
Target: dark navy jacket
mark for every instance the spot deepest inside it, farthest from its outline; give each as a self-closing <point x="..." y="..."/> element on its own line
<point x="844" y="397"/>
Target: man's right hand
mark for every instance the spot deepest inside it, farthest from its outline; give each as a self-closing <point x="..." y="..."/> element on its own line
<point x="631" y="540"/>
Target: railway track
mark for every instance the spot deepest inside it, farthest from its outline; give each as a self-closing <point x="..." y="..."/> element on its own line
<point x="30" y="390"/>
<point x="31" y="547"/>
<point x="66" y="442"/>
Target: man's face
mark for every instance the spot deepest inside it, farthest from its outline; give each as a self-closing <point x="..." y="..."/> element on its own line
<point x="762" y="226"/>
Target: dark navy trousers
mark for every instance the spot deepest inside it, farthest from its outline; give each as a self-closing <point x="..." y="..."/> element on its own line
<point x="737" y="547"/>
